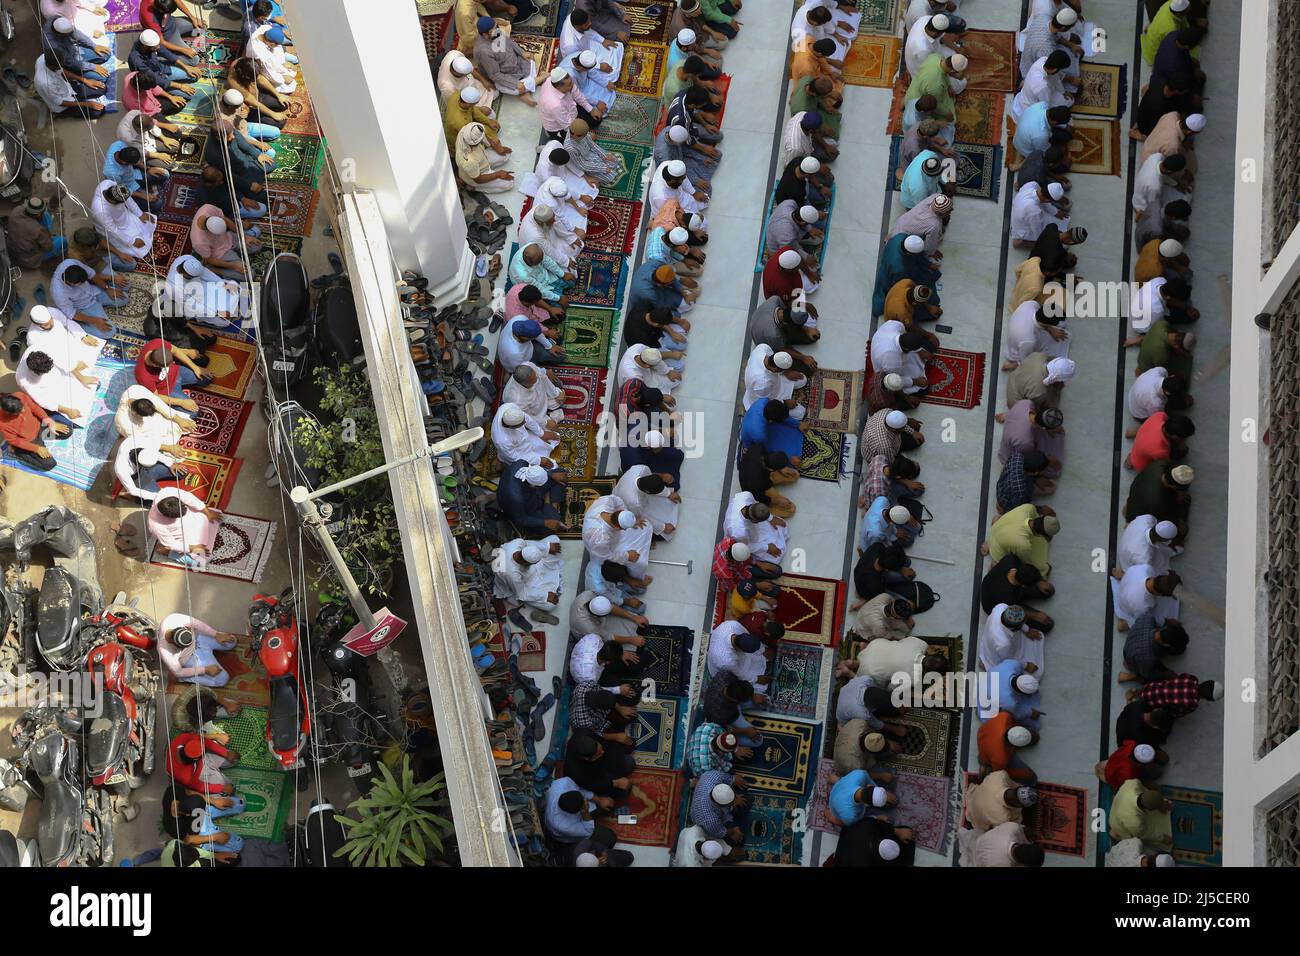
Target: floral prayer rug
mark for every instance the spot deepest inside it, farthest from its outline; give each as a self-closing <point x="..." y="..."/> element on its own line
<point x="655" y="801"/>
<point x="180" y="197"/>
<point x="796" y="676"/>
<point x="211" y="477"/>
<point x="634" y="161"/>
<point x="956" y="378"/>
<point x="123" y="15"/>
<point x="818" y="804"/>
<point x="299" y="159"/>
<point x="643" y="69"/>
<point x="543" y="50"/>
<point x="666" y="658"/>
<point x="170" y="240"/>
<point x="1197" y="826"/>
<point x="925" y="805"/>
<point x="577" y="451"/>
<point x="878" y="16"/>
<point x="894" y="125"/>
<point x="248" y="685"/>
<point x="978" y="171"/>
<point x="219" y="423"/>
<point x="224" y="46"/>
<point x="1059" y="824"/>
<point x="241" y="551"/>
<point x="302" y="115"/>
<point x="292" y="209"/>
<point x="578" y="496"/>
<point x="644" y="27"/>
<point x="599" y="279"/>
<point x="832" y="398"/>
<point x="631" y="120"/>
<point x="979" y="117"/>
<point x="588" y="334"/>
<point x="230" y="363"/>
<point x="659" y="732"/>
<point x="139" y="300"/>
<point x="930" y="742"/>
<point x="1103" y="90"/>
<point x="992" y="55"/>
<point x="771" y="836"/>
<point x="871" y="61"/>
<point x="783" y="762"/>
<point x="612" y="225"/>
<point x="272" y="246"/>
<point x="584" y="392"/>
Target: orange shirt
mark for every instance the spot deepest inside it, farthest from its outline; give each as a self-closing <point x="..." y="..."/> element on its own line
<point x="1150" y="444"/>
<point x="994" y="751"/>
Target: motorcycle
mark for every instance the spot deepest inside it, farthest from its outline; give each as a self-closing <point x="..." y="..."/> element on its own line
<point x="120" y="741"/>
<point x="16" y="852"/>
<point x="338" y="330"/>
<point x="75" y="827"/>
<point x="315" y="840"/>
<point x="286" y="332"/>
<point x="352" y="728"/>
<point x="273" y="626"/>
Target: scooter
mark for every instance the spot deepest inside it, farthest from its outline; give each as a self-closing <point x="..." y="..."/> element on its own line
<point x="352" y="727"/>
<point x="315" y="840"/>
<point x="286" y="332"/>
<point x="274" y="629"/>
<point x="120" y="740"/>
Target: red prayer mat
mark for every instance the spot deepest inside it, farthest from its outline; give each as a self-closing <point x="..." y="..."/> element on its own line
<point x="655" y="802"/>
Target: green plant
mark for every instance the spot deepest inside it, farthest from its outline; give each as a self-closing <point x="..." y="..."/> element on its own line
<point x="397" y="823"/>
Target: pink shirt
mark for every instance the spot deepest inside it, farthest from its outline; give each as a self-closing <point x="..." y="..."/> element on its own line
<point x="205" y="244"/>
<point x="515" y="307"/>
<point x="191" y="528"/>
<point x="558" y="109"/>
<point x="150" y="105"/>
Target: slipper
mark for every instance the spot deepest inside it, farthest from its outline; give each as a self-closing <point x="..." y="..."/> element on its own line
<point x="539" y="716"/>
<point x="39" y="294"/>
<point x="543" y="617"/>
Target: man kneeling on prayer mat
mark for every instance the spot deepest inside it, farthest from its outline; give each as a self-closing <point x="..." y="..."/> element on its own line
<point x="530" y="573"/>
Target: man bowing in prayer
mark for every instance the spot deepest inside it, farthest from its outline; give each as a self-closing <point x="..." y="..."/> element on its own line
<point x="517" y="437"/>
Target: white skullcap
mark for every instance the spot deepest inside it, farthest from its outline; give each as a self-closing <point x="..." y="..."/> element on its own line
<point x="1178" y="6"/>
<point x="914" y="244"/>
<point x="789" y="259"/>
<point x="587" y="59"/>
<point x="797" y="413"/>
<point x="587" y="859"/>
<point x="1167" y="530"/>
<point x="686" y="37"/>
<point x="899" y="514"/>
<point x="959" y="62"/>
<point x="461" y="66"/>
<point x="1059" y="370"/>
<point x="626" y="519"/>
<point x="675" y="168"/>
<point x="543" y="213"/>
<point x="557" y="187"/>
<point x="722" y="794"/>
<point x="783" y="360"/>
<point x="147" y="457"/>
<point x="1189" y="340"/>
<point x="810" y="165"/>
<point x="40" y="314"/>
<point x="894" y="382"/>
<point x="678" y="134"/>
<point x="711" y="849"/>
<point x="878" y="796"/>
<point x="1026" y="683"/>
<point x="1216" y="693"/>
<point x="1019" y="736"/>
<point x="559" y="74"/>
<point x="1165" y="859"/>
<point x="1066" y="17"/>
<point x="512" y="415"/>
<point x="470" y="95"/>
<point x="1183" y="475"/>
<point x="741" y="551"/>
<point x="940" y="22"/>
<point x="532" y="553"/>
<point x="652" y="356"/>
<point x="232" y="98"/>
<point x="63" y="25"/>
<point x="896" y="419"/>
<point x="654" y="439"/>
<point x="150" y="38"/>
<point x="215" y="225"/>
<point x="888" y="850"/>
<point x="1056" y="190"/>
<point x="535" y="475"/>
<point x="1196" y="122"/>
<point x="678" y="235"/>
<point x="1144" y="753"/>
<point x="695" y="222"/>
<point x="1171" y="248"/>
<point x="600" y="604"/>
<point x="809" y="214"/>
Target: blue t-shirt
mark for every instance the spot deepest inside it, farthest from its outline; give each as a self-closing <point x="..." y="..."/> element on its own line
<point x="841" y="797"/>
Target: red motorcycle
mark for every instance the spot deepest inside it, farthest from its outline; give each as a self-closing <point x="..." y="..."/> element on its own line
<point x="273" y="626"/>
<point x="120" y="750"/>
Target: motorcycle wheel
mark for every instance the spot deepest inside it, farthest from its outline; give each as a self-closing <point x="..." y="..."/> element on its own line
<point x="148" y="755"/>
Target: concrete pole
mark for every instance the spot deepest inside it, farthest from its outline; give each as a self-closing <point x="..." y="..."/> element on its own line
<point x="311" y="519"/>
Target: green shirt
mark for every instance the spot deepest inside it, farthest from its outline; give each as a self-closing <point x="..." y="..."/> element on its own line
<point x="1162" y="24"/>
<point x="1129" y="820"/>
<point x="804" y="100"/>
<point x="931" y="78"/>
<point x="1148" y="496"/>
<point x="1011" y="534"/>
<point x="1156" y="352"/>
<point x="709" y="8"/>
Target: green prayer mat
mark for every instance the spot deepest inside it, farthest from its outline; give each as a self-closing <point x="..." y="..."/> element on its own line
<point x="588" y="334"/>
<point x="878" y="16"/>
<point x="821" y="454"/>
<point x="298" y="159"/>
<point x="633" y="159"/>
<point x="632" y="119"/>
<point x="268" y="794"/>
<point x="248" y="736"/>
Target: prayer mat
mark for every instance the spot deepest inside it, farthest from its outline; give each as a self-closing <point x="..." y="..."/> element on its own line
<point x="872" y="61"/>
<point x="832" y="399"/>
<point x="1103" y="90"/>
<point x="951" y="647"/>
<point x="820" y="801"/>
<point x="431" y="8"/>
<point x="644" y="27"/>
<point x="125" y="346"/>
<point x="1060" y="822"/>
<point x="584" y="392"/>
<point x="211" y="477"/>
<point x="189" y="155"/>
<point x="956" y="378"/>
<point x="811" y="609"/>
<point x="180" y="199"/>
<point x="894" y="125"/>
<point x="577" y="451"/>
<point x="634" y="161"/>
<point x="248" y="684"/>
<point x="1197" y="826"/>
<point x="724" y="87"/>
<point x="795" y="680"/>
<point x="241" y="551"/>
<point x="224" y="46"/>
<point x="578" y="496"/>
<point x="643" y="69"/>
<point x="930" y="744"/>
<point x="532" y="651"/>
<point x="302" y="115"/>
<point x="230" y="363"/>
<point x="139" y="300"/>
<point x="201" y="106"/>
<point x="632" y="120"/>
<point x="248" y="736"/>
<point x="666" y="658"/>
<point x="123" y="16"/>
<point x="1096" y="147"/>
<point x="992" y="55"/>
<point x="588" y="334"/>
<point x="612" y="225"/>
<point x="546" y="21"/>
<point x="659" y="732"/>
<point x="600" y="279"/>
<point x="879" y="17"/>
<point x="298" y="159"/>
<point x="824" y="225"/>
<point x="220" y="423"/>
<point x="170" y="240"/>
<point x="543" y="50"/>
<point x="771" y="836"/>
<point x="978" y="173"/>
<point x="271" y="247"/>
<point x="979" y="117"/>
<point x="268" y="794"/>
<point x="292" y="209"/>
<point x="783" y="762"/>
<point x="925" y="805"/>
<point x="655" y="801"/>
<point x="821" y="454"/>
<point x="436" y="29"/>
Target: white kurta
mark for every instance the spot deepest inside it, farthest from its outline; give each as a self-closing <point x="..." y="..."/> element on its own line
<point x="660" y="192"/>
<point x="801" y="29"/>
<point x="575" y="41"/>
<point x="758" y="535"/>
<point x="795" y="143"/>
<point x="522" y="442"/>
<point x="1146" y="305"/>
<point x="450" y="84"/>
<point x="605" y="542"/>
<point x="762" y="382"/>
<point x="531" y="584"/>
<point x="920" y="45"/>
<point x="65" y="342"/>
<point x="1145" y="397"/>
<point x="1039" y="87"/>
<point x="629" y="369"/>
<point x="121" y="222"/>
<point x="153" y="431"/>
<point x="545" y="169"/>
<point x="540" y="401"/>
<point x="1136" y="547"/>
<point x="1025" y="336"/>
<point x="998" y="643"/>
<point x="1030" y="216"/>
<point x="558" y="241"/>
<point x="882" y="659"/>
<point x="57" y="388"/>
<point x="206" y="298"/>
<point x="1149" y="184"/>
<point x="888" y="356"/>
<point x="655" y="509"/>
<point x="565" y="212"/>
<point x="724" y="658"/>
<point x="1132" y="599"/>
<point x="123" y="472"/>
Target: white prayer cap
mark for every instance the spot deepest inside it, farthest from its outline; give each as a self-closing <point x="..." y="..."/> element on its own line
<point x="809" y="214"/>
<point x="899" y="514"/>
<point x="587" y="859"/>
<point x="1183" y="475"/>
<point x="232" y="98"/>
<point x="63" y="25"/>
<point x="940" y="22"/>
<point x="677" y="235"/>
<point x="150" y="38"/>
<point x="461" y="66"/>
<point x="215" y="225"/>
<point x="1019" y="736"/>
<point x="1056" y="190"/>
<point x="888" y="850"/>
<point x="914" y="244"/>
<point x="535" y="475"/>
<point x="147" y="457"/>
<point x="1165" y="859"/>
<point x="686" y="37"/>
<point x="512" y="415"/>
<point x="878" y="796"/>
<point x="532" y="553"/>
<point x="810" y="165"/>
<point x="586" y="59"/>
<point x="1196" y="122"/>
<point x="959" y="62"/>
<point x="1189" y="340"/>
<point x="896" y="419"/>
<point x="626" y="519"/>
<point x="1026" y="683"/>
<point x="1066" y="17"/>
<point x="894" y="382"/>
<point x="789" y="259"/>
<point x="740" y="551"/>
<point x="675" y="168"/>
<point x="600" y="604"/>
<point x="783" y="360"/>
<point x="1178" y="6"/>
<point x="40" y="315"/>
<point x="559" y="74"/>
<point x="543" y="213"/>
<point x="711" y="849"/>
<point x="654" y="439"/>
<point x="1166" y="530"/>
<point x="797" y="413"/>
<point x="1216" y="693"/>
<point x="652" y="356"/>
<point x="1171" y="248"/>
<point x="1059" y="370"/>
<point x="677" y="133"/>
<point x="191" y="266"/>
<point x="695" y="222"/>
<point x="557" y="187"/>
<point x="723" y="794"/>
<point x="470" y="95"/>
<point x="1144" y="753"/>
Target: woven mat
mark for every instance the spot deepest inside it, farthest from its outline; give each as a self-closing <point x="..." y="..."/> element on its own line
<point x="783" y="762"/>
<point x="655" y="801"/>
<point x="1103" y="90"/>
<point x="643" y="69"/>
<point x="872" y="61"/>
<point x="992" y="55"/>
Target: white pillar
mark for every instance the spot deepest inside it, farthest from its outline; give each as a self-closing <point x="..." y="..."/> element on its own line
<point x="366" y="68"/>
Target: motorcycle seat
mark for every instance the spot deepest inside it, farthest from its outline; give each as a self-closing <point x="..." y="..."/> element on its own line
<point x="60" y="821"/>
<point x="283" y="719"/>
<point x="58" y="611"/>
<point x="106" y="734"/>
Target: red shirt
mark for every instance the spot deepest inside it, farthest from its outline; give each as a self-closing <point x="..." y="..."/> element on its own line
<point x="21" y="429"/>
<point x="149" y="20"/>
<point x="1150" y="444"/>
<point x="994" y="751"/>
<point x="1120" y="766"/>
<point x="777" y="281"/>
<point x="1180" y="695"/>
<point x="158" y="381"/>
